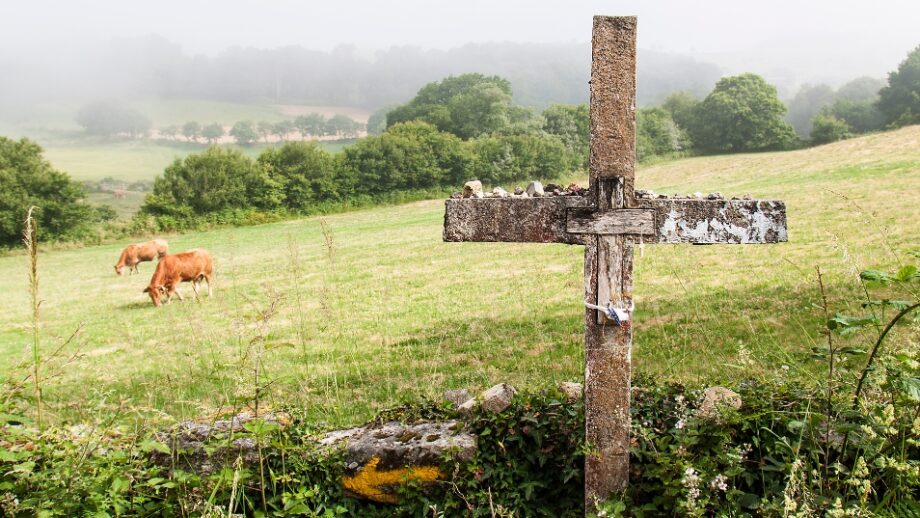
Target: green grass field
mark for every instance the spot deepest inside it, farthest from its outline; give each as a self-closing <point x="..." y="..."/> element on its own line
<point x="378" y="309"/>
<point x="92" y="159"/>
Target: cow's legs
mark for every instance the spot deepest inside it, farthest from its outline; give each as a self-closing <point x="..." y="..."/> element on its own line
<point x="195" y="284"/>
<point x="208" y="278"/>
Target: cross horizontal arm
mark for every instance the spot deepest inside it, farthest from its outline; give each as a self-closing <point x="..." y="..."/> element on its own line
<point x="516" y="220"/>
<point x="679" y="220"/>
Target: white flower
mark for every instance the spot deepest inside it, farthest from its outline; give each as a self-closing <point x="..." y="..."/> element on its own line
<point x="680" y="424"/>
<point x="720" y="483"/>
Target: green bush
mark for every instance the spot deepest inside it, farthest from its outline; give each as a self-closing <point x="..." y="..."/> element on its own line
<point x="305" y="173"/>
<point x="211" y="182"/>
<point x="827" y="128"/>
<point x="506" y="158"/>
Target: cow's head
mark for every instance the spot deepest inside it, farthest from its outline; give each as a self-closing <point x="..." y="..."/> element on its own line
<point x="155" y="292"/>
<point x="119" y="269"/>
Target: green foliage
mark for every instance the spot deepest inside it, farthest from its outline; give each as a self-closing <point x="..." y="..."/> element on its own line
<point x="342" y="125"/>
<point x="742" y="113"/>
<point x="899" y="101"/>
<point x="411" y="155"/>
<point x="213" y="181"/>
<point x="244" y="132"/>
<point x="827" y="128"/>
<point x="570" y="122"/>
<point x="657" y="134"/>
<point x="304" y="172"/>
<point x="26" y="179"/>
<point x="683" y="108"/>
<point x="807" y="103"/>
<point x="860" y="116"/>
<point x="212" y="132"/>
<point x="505" y="158"/>
<point x="109" y="118"/>
<point x="310" y="124"/>
<point x="861" y="89"/>
<point x="469" y="105"/>
<point x="377" y="122"/>
<point x="191" y="130"/>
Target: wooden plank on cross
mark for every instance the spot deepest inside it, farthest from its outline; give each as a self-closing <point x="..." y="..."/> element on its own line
<point x="609" y="221"/>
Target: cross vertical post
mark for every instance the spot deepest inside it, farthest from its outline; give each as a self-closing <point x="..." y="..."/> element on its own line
<point x="608" y="258"/>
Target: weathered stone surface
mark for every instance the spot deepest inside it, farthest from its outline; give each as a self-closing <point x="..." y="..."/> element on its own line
<point x="471" y="188"/>
<point x="500" y="193"/>
<point x="613" y="99"/>
<point x="715" y="398"/>
<point x="187" y="443"/>
<point x="573" y="391"/>
<point x="718" y="221"/>
<point x="458" y="396"/>
<point x="498" y="398"/>
<point x="467" y="407"/>
<point x="521" y="220"/>
<point x="380" y="458"/>
<point x="535" y="189"/>
<point x="519" y="190"/>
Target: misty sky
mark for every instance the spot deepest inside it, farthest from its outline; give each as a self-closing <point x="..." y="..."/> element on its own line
<point x="826" y="36"/>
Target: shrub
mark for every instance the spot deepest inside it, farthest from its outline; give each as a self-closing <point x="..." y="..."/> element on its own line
<point x="505" y="158"/>
<point x="305" y="173"/>
<point x="214" y="181"/>
<point x="827" y="128"/>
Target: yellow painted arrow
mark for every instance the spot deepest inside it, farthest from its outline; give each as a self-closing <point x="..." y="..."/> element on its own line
<point x="369" y="481"/>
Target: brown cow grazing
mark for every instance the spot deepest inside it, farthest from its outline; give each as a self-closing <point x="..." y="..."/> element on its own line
<point x="192" y="266"/>
<point x="134" y="254"/>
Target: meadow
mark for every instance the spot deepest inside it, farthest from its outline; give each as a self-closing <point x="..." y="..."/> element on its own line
<point x="91" y="158"/>
<point x="345" y="315"/>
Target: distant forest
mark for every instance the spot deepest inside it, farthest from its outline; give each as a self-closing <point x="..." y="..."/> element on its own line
<point x="152" y="67"/>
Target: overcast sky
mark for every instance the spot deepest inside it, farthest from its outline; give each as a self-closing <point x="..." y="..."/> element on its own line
<point x="868" y="37"/>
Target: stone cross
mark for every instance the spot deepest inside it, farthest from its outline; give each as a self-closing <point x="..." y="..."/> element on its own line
<point x="609" y="221"/>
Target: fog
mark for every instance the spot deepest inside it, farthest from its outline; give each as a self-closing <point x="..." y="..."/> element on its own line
<point x="372" y="53"/>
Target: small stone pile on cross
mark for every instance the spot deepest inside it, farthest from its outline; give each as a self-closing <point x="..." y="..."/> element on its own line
<point x="609" y="220"/>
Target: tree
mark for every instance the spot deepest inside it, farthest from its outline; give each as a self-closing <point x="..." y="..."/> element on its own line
<point x="109" y="118"/>
<point x="861" y="89"/>
<point x="170" y="132"/>
<point x="682" y="106"/>
<point x="742" y="113"/>
<point x="27" y="179"/>
<point x="827" y="128"/>
<point x="311" y="124"/>
<point x="657" y="134"/>
<point x="304" y="171"/>
<point x="377" y="122"/>
<point x="215" y="180"/>
<point x="191" y="130"/>
<point x="499" y="158"/>
<point x="410" y="155"/>
<point x="282" y="128"/>
<point x="860" y="116"/>
<point x="265" y="129"/>
<point x="899" y="101"/>
<point x="244" y="132"/>
<point x="469" y="105"/>
<point x="570" y="123"/>
<point x="342" y="125"/>
<point x="809" y="100"/>
<point x="213" y="132"/>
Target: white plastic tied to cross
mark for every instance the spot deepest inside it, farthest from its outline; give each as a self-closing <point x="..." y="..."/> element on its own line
<point x="619" y="316"/>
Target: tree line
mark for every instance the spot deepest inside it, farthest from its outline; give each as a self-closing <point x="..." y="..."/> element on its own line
<point x="110" y="119"/>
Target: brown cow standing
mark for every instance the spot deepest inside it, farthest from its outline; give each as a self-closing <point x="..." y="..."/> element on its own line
<point x="191" y="266"/>
<point x="134" y="254"/>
